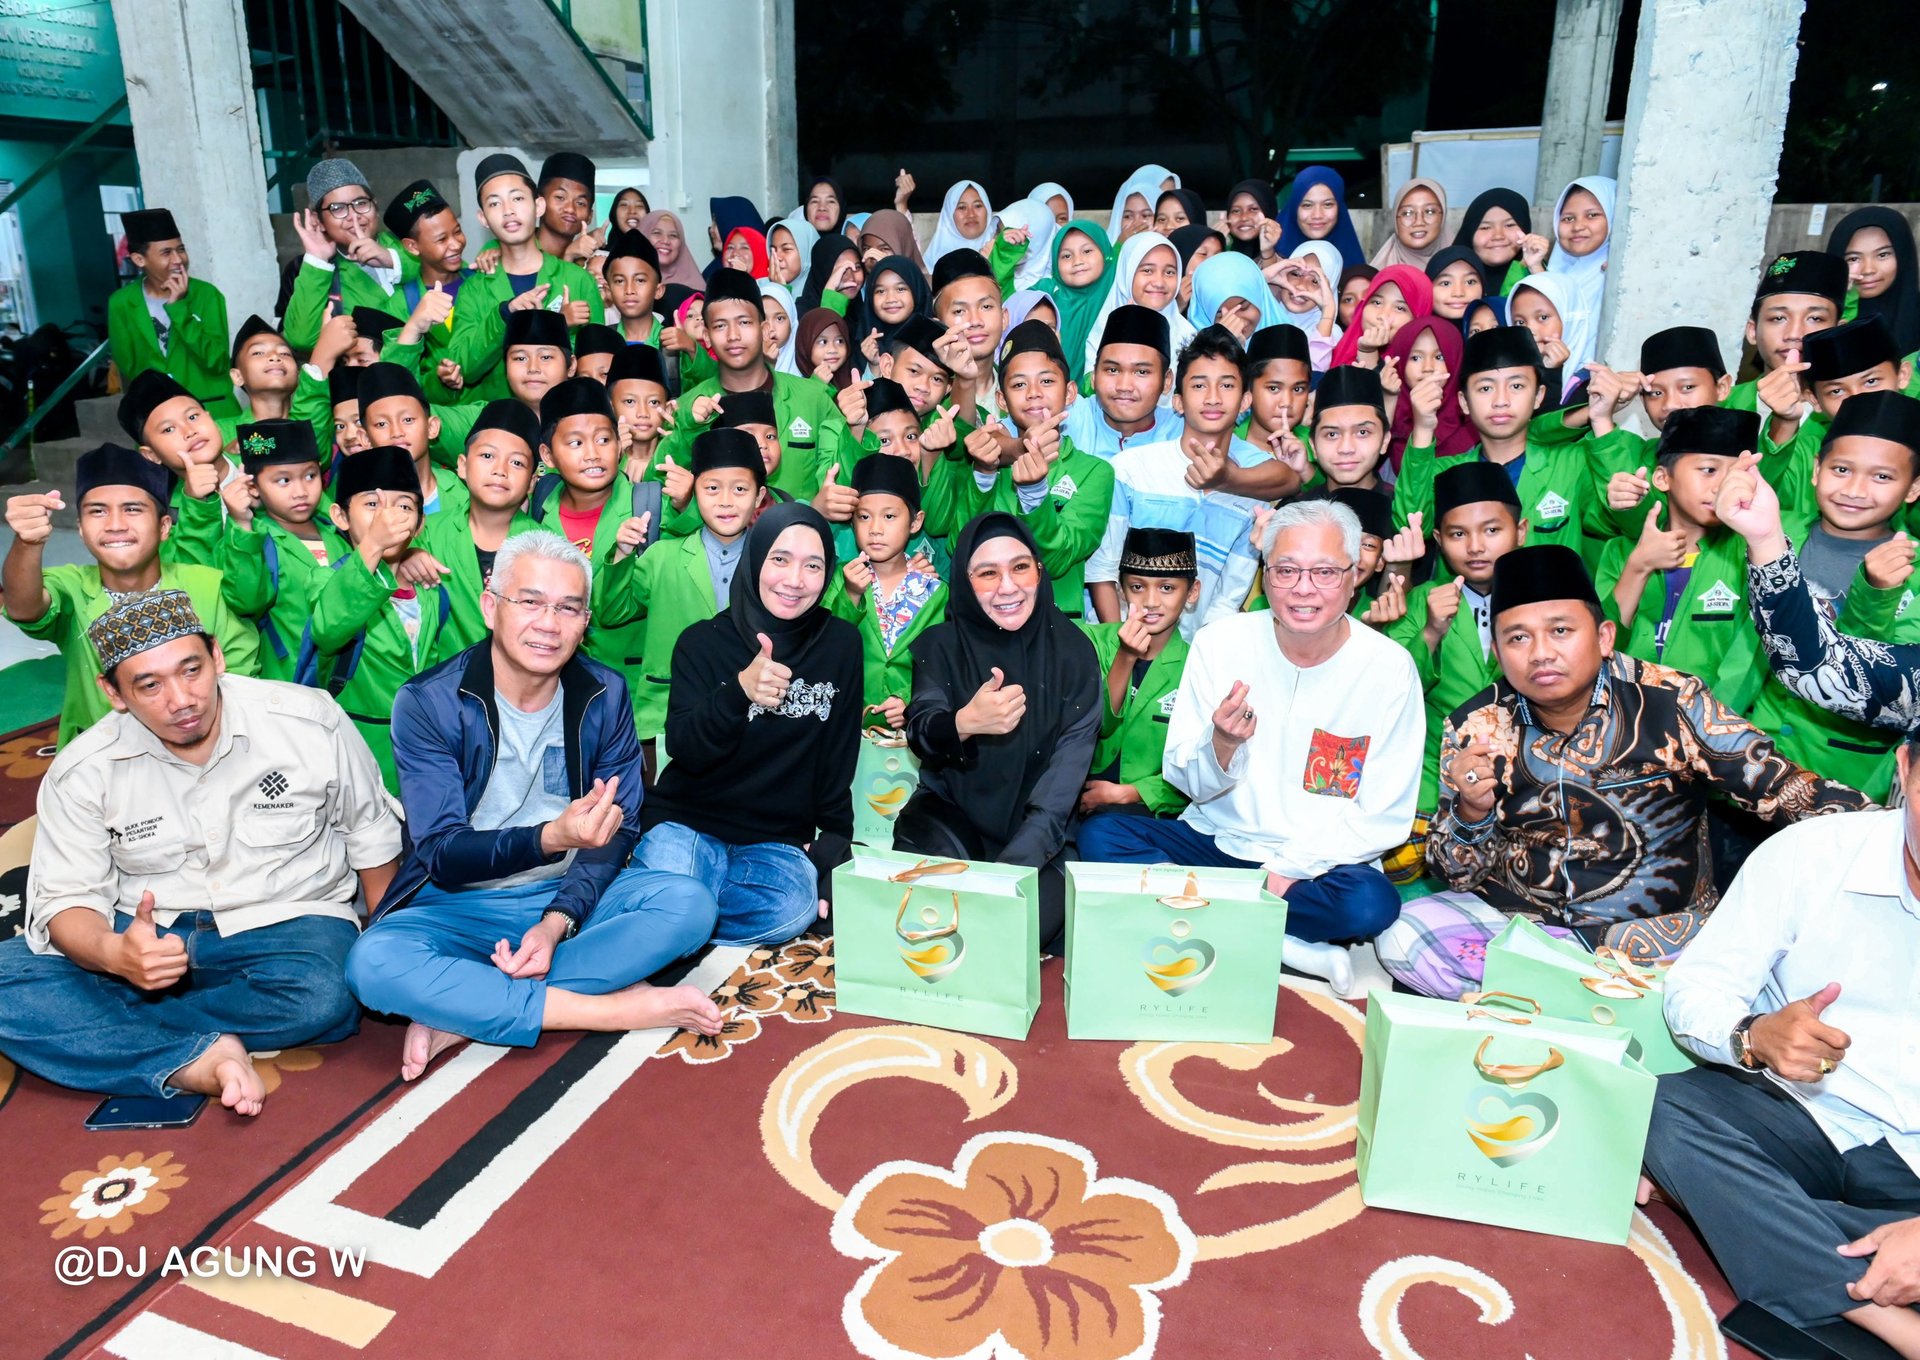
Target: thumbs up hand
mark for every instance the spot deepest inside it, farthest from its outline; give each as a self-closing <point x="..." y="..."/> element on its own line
<point x="995" y="709"/>
<point x="434" y="307"/>
<point x="765" y="681"/>
<point x="146" y="958"/>
<point x="834" y="501"/>
<point x="1796" y="1043"/>
<point x="577" y="311"/>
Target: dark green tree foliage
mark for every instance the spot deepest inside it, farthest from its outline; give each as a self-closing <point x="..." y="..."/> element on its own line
<point x="1841" y="132"/>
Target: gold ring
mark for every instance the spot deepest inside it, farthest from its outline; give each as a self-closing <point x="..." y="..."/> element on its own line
<point x="1826" y="1066"/>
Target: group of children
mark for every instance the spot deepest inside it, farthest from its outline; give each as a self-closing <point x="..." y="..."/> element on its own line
<point x="1138" y="397"/>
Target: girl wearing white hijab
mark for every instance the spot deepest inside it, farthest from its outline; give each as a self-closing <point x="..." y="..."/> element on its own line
<point x="1308" y="309"/>
<point x="1163" y="300"/>
<point x="1542" y="303"/>
<point x="947" y="235"/>
<point x="803" y="234"/>
<point x="1157" y="175"/>
<point x="1582" y="223"/>
<point x="1148" y="192"/>
<point x="1035" y="218"/>
<point x="1046" y="193"/>
<point x="778" y="295"/>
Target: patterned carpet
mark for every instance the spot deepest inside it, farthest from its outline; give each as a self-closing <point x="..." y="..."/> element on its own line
<point x="823" y="1183"/>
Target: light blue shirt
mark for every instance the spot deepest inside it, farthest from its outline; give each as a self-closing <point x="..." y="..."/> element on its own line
<point x="1086" y="425"/>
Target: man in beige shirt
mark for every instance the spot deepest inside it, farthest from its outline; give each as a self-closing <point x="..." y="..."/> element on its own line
<point x="192" y="890"/>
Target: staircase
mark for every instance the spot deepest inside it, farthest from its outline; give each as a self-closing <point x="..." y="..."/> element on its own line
<point x="472" y="57"/>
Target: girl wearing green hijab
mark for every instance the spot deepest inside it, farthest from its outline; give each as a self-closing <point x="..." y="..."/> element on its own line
<point x="1079" y="280"/>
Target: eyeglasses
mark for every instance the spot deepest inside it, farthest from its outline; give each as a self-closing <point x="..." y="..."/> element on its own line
<point x="1024" y="573"/>
<point x="1426" y="214"/>
<point x="358" y="207"/>
<point x="1286" y="575"/>
<point x="566" y="610"/>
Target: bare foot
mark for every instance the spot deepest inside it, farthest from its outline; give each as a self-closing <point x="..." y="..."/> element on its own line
<point x="646" y="1006"/>
<point x="226" y="1071"/>
<point x="423" y="1044"/>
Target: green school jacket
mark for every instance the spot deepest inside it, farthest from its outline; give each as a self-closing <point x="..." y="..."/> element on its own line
<point x="349" y="600"/>
<point x="1712" y="634"/>
<point x="435" y="343"/>
<point x="1067" y="524"/>
<point x="889" y="675"/>
<point x="1839" y="748"/>
<point x="272" y="578"/>
<point x="311" y="403"/>
<point x="813" y="434"/>
<point x="77" y="599"/>
<point x="450" y="539"/>
<point x="199" y="353"/>
<point x="1459" y="671"/>
<point x="197" y="529"/>
<point x="668" y="589"/>
<point x="1555" y="488"/>
<point x="616" y="644"/>
<point x="313" y="285"/>
<point x="1136" y="735"/>
<point x="478" y="340"/>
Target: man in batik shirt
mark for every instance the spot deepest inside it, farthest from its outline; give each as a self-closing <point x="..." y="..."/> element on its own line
<point x="1574" y="790"/>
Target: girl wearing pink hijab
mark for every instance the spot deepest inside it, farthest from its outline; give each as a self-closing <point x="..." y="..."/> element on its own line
<point x="1400" y="293"/>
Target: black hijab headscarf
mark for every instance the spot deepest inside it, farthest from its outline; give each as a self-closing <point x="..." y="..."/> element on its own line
<point x="1269" y="204"/>
<point x="793" y="639"/>
<point x="839" y="196"/>
<point x="1190" y="238"/>
<point x="1493" y="275"/>
<point x="1047" y="656"/>
<point x="821" y="259"/>
<point x="908" y="273"/>
<point x="1899" y="306"/>
<point x="1188" y="199"/>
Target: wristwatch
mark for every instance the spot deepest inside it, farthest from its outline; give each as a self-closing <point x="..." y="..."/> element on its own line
<point x="573" y="926"/>
<point x="1742" y="1048"/>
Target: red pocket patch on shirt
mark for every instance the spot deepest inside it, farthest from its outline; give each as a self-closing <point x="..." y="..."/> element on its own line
<point x="1334" y="764"/>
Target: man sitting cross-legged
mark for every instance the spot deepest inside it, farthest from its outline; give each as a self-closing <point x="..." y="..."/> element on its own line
<point x="194" y="872"/>
<point x="514" y="911"/>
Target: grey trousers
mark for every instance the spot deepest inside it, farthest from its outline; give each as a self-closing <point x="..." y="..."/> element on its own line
<point x="1769" y="1192"/>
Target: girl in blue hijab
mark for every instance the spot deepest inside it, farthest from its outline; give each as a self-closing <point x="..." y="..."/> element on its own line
<point x="1334" y="224"/>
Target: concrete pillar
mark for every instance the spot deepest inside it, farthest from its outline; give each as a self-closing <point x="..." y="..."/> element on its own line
<point x="195" y="131"/>
<point x="723" y="108"/>
<point x="1579" y="76"/>
<point x="1706" y="115"/>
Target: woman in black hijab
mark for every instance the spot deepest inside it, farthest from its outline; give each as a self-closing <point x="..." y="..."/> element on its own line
<point x="1488" y="230"/>
<point x="1249" y="202"/>
<point x="824" y="204"/>
<point x="1880" y="244"/>
<point x="763" y="730"/>
<point x="832" y="265"/>
<point x="1004" y="716"/>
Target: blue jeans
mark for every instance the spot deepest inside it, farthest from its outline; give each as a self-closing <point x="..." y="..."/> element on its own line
<point x="768" y="893"/>
<point x="273" y="987"/>
<point x="432" y="959"/>
<point x="1348" y="902"/>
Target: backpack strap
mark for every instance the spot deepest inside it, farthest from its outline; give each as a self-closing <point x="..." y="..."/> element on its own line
<point x="543" y="490"/>
<point x="307" y="667"/>
<point x="268" y="631"/>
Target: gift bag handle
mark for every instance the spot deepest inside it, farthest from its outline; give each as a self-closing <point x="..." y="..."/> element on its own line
<point x="884" y="737"/>
<point x="1514" y="1073"/>
<point x="916" y="936"/>
<point x="1620" y="964"/>
<point x="1476" y="1010"/>
<point x="928" y="866"/>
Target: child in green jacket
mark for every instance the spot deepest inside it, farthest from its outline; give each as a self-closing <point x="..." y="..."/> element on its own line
<point x="349" y="260"/>
<point x="430" y="234"/>
<point x="497" y="470"/>
<point x="1141" y="660"/>
<point x="123" y="502"/>
<point x="527" y="279"/>
<point x="174" y="428"/>
<point x="632" y="272"/>
<point x="167" y="320"/>
<point x="679" y="581"/>
<point x="879" y="589"/>
<point x="637" y="382"/>
<point x="395" y="414"/>
<point x="1680" y="368"/>
<point x="1860" y="568"/>
<point x="1679" y="594"/>
<point x="536" y="355"/>
<point x="1350" y="431"/>
<point x="369" y="633"/>
<point x="275" y="552"/>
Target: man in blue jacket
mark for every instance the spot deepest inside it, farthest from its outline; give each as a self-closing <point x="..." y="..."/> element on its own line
<point x="514" y="910"/>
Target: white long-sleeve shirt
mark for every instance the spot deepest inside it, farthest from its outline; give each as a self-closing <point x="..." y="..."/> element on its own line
<point x="1331" y="774"/>
<point x="1825" y="900"/>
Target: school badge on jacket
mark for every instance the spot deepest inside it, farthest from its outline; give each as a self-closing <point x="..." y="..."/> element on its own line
<point x="1552" y="508"/>
<point x="1718" y="599"/>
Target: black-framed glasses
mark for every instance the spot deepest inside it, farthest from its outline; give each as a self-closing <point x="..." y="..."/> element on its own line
<point x="357" y="207"/>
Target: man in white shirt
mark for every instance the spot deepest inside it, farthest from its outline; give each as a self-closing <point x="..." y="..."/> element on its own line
<point x="1298" y="736"/>
<point x="194" y="873"/>
<point x="1803" y="992"/>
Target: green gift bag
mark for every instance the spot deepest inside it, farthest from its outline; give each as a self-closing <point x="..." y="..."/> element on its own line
<point x="1604" y="988"/>
<point x="883" y="779"/>
<point x="1500" y="1117"/>
<point x="1168" y="953"/>
<point x="949" y="943"/>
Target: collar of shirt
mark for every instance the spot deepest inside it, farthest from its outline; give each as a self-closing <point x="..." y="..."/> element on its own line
<point x="1524" y="711"/>
<point x="1880" y="868"/>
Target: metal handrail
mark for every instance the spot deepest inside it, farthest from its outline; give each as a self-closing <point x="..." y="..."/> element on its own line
<point x="71" y="381"/>
<point x="79" y="139"/>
